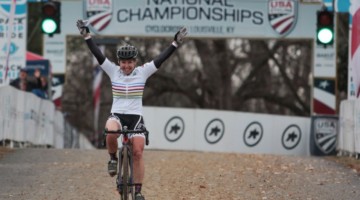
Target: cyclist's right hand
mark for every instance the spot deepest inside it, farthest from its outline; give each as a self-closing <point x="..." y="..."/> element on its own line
<point x="83" y="27"/>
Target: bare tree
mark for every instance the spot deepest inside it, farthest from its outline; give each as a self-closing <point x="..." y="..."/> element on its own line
<point x="246" y="75"/>
<point x="263" y="76"/>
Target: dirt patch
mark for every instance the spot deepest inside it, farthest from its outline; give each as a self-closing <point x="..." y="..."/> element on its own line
<point x="33" y="174"/>
<point x="5" y="150"/>
<point x="347" y="161"/>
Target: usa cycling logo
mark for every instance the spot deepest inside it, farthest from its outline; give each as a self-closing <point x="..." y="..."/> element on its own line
<point x="282" y="15"/>
<point x="325" y="134"/>
<point x="20" y="8"/>
<point x="99" y="13"/>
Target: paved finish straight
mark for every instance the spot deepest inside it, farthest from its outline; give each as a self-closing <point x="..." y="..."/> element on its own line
<point x="50" y="174"/>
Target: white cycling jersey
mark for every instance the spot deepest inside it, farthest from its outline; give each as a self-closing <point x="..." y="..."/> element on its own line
<point x="128" y="89"/>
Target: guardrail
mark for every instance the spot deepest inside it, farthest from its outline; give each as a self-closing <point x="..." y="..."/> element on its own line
<point x="29" y="120"/>
<point x="349" y="130"/>
<point x="26" y="119"/>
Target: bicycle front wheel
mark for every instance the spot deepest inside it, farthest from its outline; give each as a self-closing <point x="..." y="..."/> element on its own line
<point x="125" y="173"/>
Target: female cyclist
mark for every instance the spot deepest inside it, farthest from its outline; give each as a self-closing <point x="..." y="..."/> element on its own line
<point x="128" y="82"/>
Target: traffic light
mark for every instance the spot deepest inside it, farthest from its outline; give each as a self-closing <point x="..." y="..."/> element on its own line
<point x="325" y="28"/>
<point x="50" y="20"/>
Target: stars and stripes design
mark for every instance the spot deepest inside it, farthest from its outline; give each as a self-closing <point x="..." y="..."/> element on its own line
<point x="282" y="15"/>
<point x="325" y="133"/>
<point x="282" y="23"/>
<point x="99" y="14"/>
<point x="355" y="44"/>
<point x="128" y="91"/>
<point x="99" y="20"/>
<point x="324" y="101"/>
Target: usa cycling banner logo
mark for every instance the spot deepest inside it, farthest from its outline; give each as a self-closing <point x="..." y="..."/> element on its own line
<point x="282" y="15"/>
<point x="99" y="13"/>
<point x="20" y="9"/>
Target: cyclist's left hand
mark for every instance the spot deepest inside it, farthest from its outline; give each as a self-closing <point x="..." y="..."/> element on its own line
<point x="180" y="35"/>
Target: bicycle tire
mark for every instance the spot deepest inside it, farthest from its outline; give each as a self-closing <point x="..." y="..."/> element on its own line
<point x="125" y="173"/>
<point x="131" y="178"/>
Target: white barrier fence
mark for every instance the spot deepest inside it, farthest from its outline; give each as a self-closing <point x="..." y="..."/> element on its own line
<point x="226" y="131"/>
<point x="26" y="118"/>
<point x="349" y="131"/>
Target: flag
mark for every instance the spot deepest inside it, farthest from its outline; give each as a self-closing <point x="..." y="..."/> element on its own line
<point x="9" y="33"/>
<point x="355" y="43"/>
<point x="96" y="94"/>
<point x="97" y="74"/>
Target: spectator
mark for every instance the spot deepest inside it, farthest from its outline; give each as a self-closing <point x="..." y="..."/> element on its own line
<point x="21" y="82"/>
<point x="29" y="83"/>
<point x="35" y="79"/>
<point x="41" y="84"/>
<point x="44" y="86"/>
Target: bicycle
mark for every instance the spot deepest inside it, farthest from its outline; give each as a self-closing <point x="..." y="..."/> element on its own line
<point x="125" y="176"/>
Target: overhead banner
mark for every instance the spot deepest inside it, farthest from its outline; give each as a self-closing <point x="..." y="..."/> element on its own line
<point x="225" y="18"/>
<point x="13" y="31"/>
<point x="203" y="19"/>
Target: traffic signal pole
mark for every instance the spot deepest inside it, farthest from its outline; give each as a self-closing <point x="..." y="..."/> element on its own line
<point x="51" y="18"/>
<point x="325" y="73"/>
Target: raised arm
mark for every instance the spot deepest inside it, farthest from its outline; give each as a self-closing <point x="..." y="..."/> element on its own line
<point x="178" y="39"/>
<point x="84" y="31"/>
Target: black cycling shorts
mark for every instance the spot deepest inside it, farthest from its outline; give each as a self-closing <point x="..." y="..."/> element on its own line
<point x="133" y="122"/>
